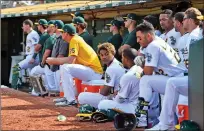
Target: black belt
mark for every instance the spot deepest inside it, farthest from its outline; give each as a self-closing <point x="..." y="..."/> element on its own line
<point x="185" y="74"/>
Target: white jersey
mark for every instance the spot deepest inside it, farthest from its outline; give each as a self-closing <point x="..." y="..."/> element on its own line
<point x="129" y="85"/>
<point x="163" y="58"/>
<point x="113" y="74"/>
<point x="171" y="38"/>
<point x="183" y="51"/>
<point x="31" y="40"/>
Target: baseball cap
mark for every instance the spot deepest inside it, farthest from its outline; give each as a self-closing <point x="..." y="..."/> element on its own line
<point x="115" y="23"/>
<point x="131" y="16"/>
<point x="69" y="28"/>
<point x="59" y="24"/>
<point x="77" y="14"/>
<point x="41" y="22"/>
<point x="51" y="23"/>
<point x="78" y="20"/>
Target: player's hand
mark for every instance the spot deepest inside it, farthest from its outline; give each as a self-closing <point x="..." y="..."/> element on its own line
<point x="50" y="60"/>
<point x="139" y="61"/>
<point x="32" y="61"/>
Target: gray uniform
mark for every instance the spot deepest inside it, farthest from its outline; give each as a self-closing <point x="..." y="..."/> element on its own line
<point x="53" y="74"/>
<point x="60" y="48"/>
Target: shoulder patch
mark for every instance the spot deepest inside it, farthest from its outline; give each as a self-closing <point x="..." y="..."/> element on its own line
<point x="149" y="57"/>
<point x="107" y="78"/>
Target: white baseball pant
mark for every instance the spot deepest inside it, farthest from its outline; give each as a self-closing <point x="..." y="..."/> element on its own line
<point x="24" y="64"/>
<point x="174" y="87"/>
<point x="90" y="98"/>
<point x="53" y="79"/>
<point x="110" y="104"/>
<point x="70" y="71"/>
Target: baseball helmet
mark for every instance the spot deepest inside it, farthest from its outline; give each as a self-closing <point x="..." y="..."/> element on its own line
<point x="125" y="122"/>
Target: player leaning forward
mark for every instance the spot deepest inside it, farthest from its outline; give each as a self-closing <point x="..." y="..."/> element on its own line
<point x="159" y="58"/>
<point x="82" y="63"/>
<point x="179" y="85"/>
<point x="113" y="74"/>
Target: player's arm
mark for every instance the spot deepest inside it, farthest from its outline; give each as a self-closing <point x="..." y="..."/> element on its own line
<point x="61" y="61"/>
<point x="105" y="91"/>
<point x="46" y="54"/>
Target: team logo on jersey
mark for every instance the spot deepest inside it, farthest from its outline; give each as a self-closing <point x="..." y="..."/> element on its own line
<point x="28" y="49"/>
<point x="149" y="57"/>
<point x="107" y="77"/>
<point x="35" y="40"/>
<point x="72" y="50"/>
<point x="173" y="40"/>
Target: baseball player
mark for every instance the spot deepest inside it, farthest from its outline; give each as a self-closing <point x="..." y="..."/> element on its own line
<point x="31" y="41"/>
<point x="153" y="20"/>
<point x="46" y="51"/>
<point x="42" y="28"/>
<point x="130" y="39"/>
<point x="82" y="63"/>
<point x="60" y="49"/>
<point x="127" y="98"/>
<point x="113" y="74"/>
<point x="159" y="58"/>
<point x="170" y="35"/>
<point x="116" y="39"/>
<point x="80" y="25"/>
<point x="179" y="85"/>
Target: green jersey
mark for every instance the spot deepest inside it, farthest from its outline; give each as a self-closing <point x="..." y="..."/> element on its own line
<point x="87" y="38"/>
<point x="42" y="40"/>
<point x="131" y="40"/>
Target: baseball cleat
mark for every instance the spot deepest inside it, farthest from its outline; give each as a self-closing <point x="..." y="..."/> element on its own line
<point x="66" y="103"/>
<point x="59" y="100"/>
<point x="160" y="127"/>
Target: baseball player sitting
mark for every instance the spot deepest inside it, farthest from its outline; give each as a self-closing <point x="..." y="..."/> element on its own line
<point x="60" y="49"/>
<point x="179" y="85"/>
<point x="31" y="41"/>
<point x="82" y="63"/>
<point x="159" y="58"/>
<point x="170" y="35"/>
<point x="113" y="74"/>
<point x="46" y="51"/>
<point x="127" y="98"/>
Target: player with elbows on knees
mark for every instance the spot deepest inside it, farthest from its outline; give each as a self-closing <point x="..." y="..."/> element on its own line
<point x="159" y="58"/>
<point x="179" y="85"/>
<point x="113" y="74"/>
<point x="127" y="98"/>
<point x="46" y="51"/>
<point x="82" y="63"/>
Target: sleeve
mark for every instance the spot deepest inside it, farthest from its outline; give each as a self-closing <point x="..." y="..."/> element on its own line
<point x="63" y="48"/>
<point x="73" y="48"/>
<point x="152" y="56"/>
<point x="110" y="77"/>
<point x="35" y="39"/>
<point x="42" y="40"/>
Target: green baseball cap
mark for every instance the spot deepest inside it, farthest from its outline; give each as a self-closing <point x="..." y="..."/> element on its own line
<point x="115" y="23"/>
<point x="51" y="23"/>
<point x="76" y="14"/>
<point x="78" y="20"/>
<point x="131" y="16"/>
<point x="42" y="22"/>
<point x="69" y="28"/>
<point x="59" y="24"/>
